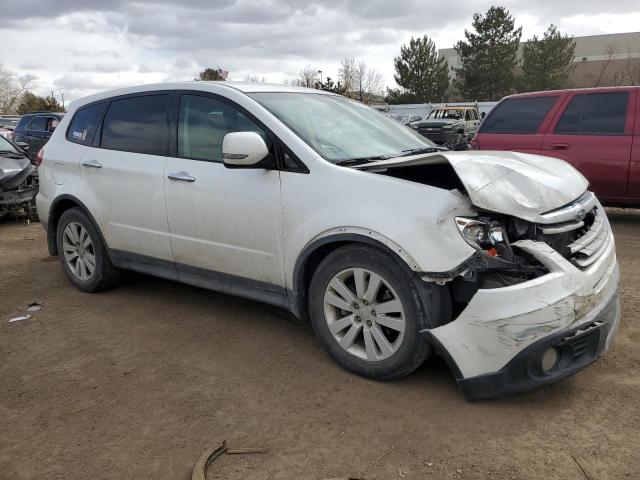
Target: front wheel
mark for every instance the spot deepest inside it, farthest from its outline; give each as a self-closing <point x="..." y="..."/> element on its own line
<point x="367" y="312"/>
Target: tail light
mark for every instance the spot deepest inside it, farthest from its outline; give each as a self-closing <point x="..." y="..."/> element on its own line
<point x="40" y="157"/>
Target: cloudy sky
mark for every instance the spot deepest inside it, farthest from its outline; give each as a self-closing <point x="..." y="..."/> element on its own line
<point x="83" y="46"/>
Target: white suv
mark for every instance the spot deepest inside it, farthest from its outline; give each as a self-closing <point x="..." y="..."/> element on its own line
<point x="502" y="262"/>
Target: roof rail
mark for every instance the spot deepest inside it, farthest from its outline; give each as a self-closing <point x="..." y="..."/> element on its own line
<point x="44" y="111"/>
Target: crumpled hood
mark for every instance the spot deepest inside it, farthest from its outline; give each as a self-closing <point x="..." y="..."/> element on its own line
<point x="512" y="183"/>
<point x="13" y="171"/>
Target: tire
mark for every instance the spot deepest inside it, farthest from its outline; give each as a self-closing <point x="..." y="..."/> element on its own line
<point x="406" y="349"/>
<point x="104" y="274"/>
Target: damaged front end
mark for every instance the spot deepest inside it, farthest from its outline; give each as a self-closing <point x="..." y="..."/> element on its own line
<point x="538" y="300"/>
<point x="536" y="303"/>
<point x="18" y="186"/>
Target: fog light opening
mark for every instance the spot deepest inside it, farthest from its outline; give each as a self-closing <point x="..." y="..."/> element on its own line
<point x="549" y="359"/>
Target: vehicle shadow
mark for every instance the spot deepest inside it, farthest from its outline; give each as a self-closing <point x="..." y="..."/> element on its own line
<point x="434" y="376"/>
<point x="628" y="216"/>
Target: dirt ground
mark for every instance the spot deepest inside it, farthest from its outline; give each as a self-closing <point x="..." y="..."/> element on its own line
<point x="137" y="382"/>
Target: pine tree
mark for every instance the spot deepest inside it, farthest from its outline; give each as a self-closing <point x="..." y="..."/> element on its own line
<point x="547" y="62"/>
<point x="423" y="76"/>
<point x="489" y="56"/>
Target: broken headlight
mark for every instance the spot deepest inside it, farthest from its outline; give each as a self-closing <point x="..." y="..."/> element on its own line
<point x="480" y="233"/>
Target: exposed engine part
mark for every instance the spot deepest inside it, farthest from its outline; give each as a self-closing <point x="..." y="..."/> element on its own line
<point x="21" y="199"/>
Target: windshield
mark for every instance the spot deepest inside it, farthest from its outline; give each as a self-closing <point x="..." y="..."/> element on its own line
<point x="5" y="146"/>
<point x="455" y="114"/>
<point x="340" y="129"/>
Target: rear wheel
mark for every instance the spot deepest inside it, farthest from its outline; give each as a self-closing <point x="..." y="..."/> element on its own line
<point x="82" y="253"/>
<point x="367" y="312"/>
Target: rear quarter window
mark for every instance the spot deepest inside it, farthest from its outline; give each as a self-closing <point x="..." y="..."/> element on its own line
<point x="84" y="124"/>
<point x="518" y="115"/>
<point x="595" y="114"/>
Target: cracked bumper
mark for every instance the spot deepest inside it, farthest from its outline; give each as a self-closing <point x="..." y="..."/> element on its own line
<point x="497" y="343"/>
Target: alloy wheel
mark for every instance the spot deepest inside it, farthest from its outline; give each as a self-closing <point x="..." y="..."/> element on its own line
<point x="364" y="314"/>
<point x="78" y="251"/>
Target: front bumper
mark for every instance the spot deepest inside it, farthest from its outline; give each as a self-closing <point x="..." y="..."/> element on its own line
<point x="496" y="345"/>
<point x="18" y="196"/>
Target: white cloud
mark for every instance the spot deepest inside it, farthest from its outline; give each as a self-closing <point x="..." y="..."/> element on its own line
<point x="81" y="46"/>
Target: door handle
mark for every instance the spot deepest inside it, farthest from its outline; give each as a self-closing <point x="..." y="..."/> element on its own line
<point x="181" y="177"/>
<point x="91" y="164"/>
<point x="559" y="146"/>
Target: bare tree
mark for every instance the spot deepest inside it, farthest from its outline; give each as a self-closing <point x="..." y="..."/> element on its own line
<point x="632" y="70"/>
<point x="360" y="81"/>
<point x="369" y="82"/>
<point x="609" y="52"/>
<point x="347" y="74"/>
<point x="254" y="79"/>
<point x="308" y="77"/>
<point x="12" y="88"/>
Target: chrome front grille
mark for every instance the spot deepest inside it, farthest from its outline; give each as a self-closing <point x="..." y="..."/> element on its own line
<point x="590" y="246"/>
<point x="579" y="231"/>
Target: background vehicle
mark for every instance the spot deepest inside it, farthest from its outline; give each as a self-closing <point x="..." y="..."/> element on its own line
<point x="408" y="119"/>
<point x="35" y="129"/>
<point x="596" y="130"/>
<point x="202" y="183"/>
<point x="18" y="181"/>
<point x="449" y="124"/>
<point x="8" y="125"/>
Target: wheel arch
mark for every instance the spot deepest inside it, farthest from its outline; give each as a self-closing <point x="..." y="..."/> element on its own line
<point x="60" y="205"/>
<point x="321" y="246"/>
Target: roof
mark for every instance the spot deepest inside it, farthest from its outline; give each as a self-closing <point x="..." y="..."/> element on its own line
<point x="44" y="112"/>
<point x="581" y="90"/>
<point x="197" y="85"/>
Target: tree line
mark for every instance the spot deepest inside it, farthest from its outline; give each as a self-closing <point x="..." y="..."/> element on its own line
<point x="490" y="66"/>
<point x="16" y="97"/>
<point x="489" y="69"/>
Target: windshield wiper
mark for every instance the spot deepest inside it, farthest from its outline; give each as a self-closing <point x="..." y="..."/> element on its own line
<point x="362" y="160"/>
<point x="418" y="151"/>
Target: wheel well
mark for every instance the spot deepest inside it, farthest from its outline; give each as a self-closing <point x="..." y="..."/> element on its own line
<point x="304" y="272"/>
<point x="56" y="212"/>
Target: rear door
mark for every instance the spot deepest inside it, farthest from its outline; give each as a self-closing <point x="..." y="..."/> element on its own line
<point x="594" y="133"/>
<point x="517" y="124"/>
<point x="122" y="175"/>
<point x="36" y="134"/>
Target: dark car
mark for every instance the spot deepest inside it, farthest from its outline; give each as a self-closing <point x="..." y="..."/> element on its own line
<point x="597" y="130"/>
<point x="35" y="129"/>
<point x="442" y="125"/>
<point x="18" y="180"/>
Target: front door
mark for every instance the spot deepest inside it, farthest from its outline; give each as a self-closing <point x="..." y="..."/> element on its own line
<point x="220" y="219"/>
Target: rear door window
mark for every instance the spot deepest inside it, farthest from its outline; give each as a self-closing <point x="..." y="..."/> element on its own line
<point x="518" y="115"/>
<point x="137" y="125"/>
<point x="84" y="124"/>
<point x="38" y="124"/>
<point x="595" y="114"/>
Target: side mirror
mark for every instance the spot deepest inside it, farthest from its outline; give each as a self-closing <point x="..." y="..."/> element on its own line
<point x="243" y="150"/>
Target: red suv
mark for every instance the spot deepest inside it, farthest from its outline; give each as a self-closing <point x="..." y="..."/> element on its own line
<point x="597" y="130"/>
